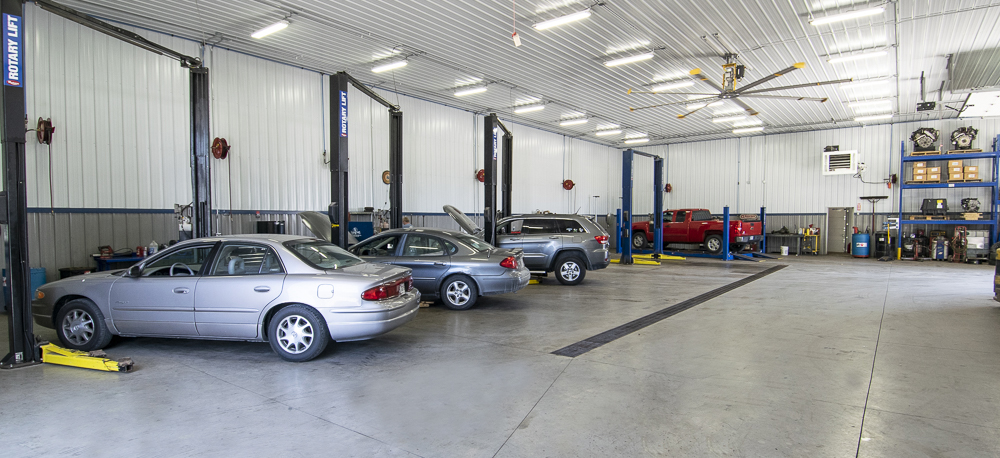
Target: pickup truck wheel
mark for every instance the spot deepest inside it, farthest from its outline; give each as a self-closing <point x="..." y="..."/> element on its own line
<point x="570" y="269"/>
<point x="639" y="240"/>
<point x="713" y="243"/>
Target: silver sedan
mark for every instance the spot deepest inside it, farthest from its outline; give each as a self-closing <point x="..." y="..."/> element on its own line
<point x="296" y="293"/>
<point x="451" y="266"/>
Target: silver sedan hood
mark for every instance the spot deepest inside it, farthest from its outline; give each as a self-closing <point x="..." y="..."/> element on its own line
<point x="319" y="224"/>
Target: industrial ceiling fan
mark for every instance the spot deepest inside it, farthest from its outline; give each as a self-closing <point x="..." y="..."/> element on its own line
<point x="732" y="73"/>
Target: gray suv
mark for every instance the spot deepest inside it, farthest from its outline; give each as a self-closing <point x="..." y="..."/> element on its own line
<point x="568" y="245"/>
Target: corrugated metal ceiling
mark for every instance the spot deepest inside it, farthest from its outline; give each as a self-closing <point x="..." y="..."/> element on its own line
<point x="454" y="43"/>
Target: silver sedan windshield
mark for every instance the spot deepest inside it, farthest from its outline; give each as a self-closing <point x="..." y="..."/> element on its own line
<point x="322" y="255"/>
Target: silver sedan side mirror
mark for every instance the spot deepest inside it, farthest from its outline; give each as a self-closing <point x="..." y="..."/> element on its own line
<point x="134" y="271"/>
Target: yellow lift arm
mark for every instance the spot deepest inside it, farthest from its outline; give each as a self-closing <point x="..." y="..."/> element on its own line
<point x="96" y="360"/>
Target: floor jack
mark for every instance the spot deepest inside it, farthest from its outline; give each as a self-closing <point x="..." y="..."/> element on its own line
<point x="96" y="360"/>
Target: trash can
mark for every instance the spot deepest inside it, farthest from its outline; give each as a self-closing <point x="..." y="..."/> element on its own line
<point x="37" y="279"/>
<point x="784" y="250"/>
<point x="860" y="245"/>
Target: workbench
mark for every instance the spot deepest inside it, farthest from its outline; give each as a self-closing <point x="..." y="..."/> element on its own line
<point x="774" y="242"/>
<point x="105" y="263"/>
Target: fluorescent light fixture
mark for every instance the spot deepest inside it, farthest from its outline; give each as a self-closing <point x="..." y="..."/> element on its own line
<point x="715" y="104"/>
<point x="749" y="130"/>
<point x="562" y="20"/>
<point x="869" y="103"/>
<point x="873" y="108"/>
<point x="864" y="84"/>
<point x="270" y="29"/>
<point x="729" y="118"/>
<point x="636" y="140"/>
<point x="671" y="86"/>
<point x="853" y="57"/>
<point x="389" y="66"/>
<point x="602" y="133"/>
<point x="470" y="91"/>
<point x="528" y="108"/>
<point x="629" y="59"/>
<point x="873" y="117"/>
<point x="573" y="122"/>
<point x="748" y="123"/>
<point x="848" y="15"/>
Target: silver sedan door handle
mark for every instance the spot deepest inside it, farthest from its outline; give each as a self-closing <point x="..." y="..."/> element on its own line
<point x="182" y="290"/>
<point x="439" y="264"/>
<point x="262" y="289"/>
<point x="554" y="237"/>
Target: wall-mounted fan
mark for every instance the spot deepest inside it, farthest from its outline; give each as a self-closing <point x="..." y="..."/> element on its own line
<point x="732" y="73"/>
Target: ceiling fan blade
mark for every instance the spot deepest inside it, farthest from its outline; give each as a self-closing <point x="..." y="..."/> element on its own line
<point x="772" y="76"/>
<point x="696" y="74"/>
<point x="680" y="102"/>
<point x="795" y="86"/>
<point x="632" y="91"/>
<point x="750" y="111"/>
<point x="682" y="116"/>
<point x="786" y="97"/>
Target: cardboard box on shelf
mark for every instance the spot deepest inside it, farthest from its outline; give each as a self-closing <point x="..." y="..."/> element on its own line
<point x="954" y="163"/>
<point x="919" y="177"/>
<point x="920" y="171"/>
<point x="955" y="170"/>
<point x="919" y="165"/>
<point x="971" y="169"/>
<point x="956" y="177"/>
<point x="934" y="177"/>
<point x="971" y="176"/>
<point x="933" y="169"/>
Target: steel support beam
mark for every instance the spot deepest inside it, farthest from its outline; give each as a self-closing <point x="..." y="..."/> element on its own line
<point x="491" y="147"/>
<point x="201" y="177"/>
<point x="23" y="350"/>
<point x="395" y="169"/>
<point x="340" y="214"/>
<point x="506" y="184"/>
<point x="657" y="206"/>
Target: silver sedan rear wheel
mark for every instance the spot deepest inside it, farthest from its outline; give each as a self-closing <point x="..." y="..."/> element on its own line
<point x="459" y="292"/>
<point x="298" y="333"/>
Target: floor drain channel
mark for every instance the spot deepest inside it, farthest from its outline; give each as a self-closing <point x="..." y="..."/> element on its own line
<point x="591" y="343"/>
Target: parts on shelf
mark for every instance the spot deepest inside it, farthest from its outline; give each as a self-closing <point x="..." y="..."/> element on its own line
<point x="971" y="205"/>
<point x="963" y="136"/>
<point x="925" y="139"/>
<point x="934" y="207"/>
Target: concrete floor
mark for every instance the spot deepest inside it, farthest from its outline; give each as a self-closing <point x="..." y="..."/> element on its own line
<point x="828" y="357"/>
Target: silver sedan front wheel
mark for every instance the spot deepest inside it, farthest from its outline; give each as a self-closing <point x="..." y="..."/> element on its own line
<point x="80" y="326"/>
<point x="459" y="292"/>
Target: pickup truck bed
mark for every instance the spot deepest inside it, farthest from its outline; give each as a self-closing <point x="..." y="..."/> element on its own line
<point x="696" y="225"/>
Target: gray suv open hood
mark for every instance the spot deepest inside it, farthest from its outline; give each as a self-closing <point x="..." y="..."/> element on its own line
<point x="319" y="224"/>
<point x="464" y="221"/>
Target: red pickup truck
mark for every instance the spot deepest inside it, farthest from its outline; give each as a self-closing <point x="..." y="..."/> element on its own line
<point x="696" y="225"/>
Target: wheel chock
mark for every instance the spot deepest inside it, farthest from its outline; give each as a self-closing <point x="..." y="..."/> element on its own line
<point x="96" y="360"/>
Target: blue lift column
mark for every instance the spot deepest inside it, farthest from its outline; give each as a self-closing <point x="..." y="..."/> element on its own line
<point x="763" y="230"/>
<point x="626" y="220"/>
<point x="726" y="254"/>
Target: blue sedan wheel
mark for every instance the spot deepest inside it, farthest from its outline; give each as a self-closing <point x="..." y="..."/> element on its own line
<point x="459" y="292"/>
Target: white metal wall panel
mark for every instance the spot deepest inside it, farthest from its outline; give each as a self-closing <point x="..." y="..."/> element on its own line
<point x="272" y="116"/>
<point x="121" y="118"/>
<point x="539" y="170"/>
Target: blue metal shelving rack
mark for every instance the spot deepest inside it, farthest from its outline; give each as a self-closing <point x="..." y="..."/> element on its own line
<point x="993" y="156"/>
